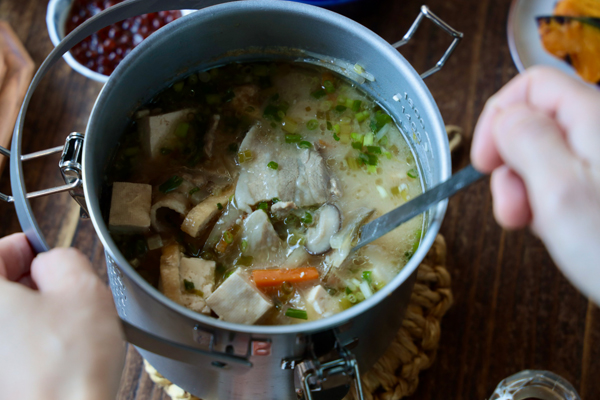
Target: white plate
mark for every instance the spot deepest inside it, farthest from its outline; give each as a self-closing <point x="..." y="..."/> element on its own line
<point x="523" y="37"/>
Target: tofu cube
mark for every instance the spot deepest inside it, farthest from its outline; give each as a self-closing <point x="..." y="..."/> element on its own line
<point x="322" y="302"/>
<point x="200" y="272"/>
<point x="157" y="131"/>
<point x="130" y="208"/>
<point x="239" y="300"/>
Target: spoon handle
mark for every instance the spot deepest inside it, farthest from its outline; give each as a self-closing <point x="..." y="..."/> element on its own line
<point x="393" y="219"/>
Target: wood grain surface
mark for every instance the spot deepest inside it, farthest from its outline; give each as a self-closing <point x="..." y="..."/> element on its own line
<point x="513" y="309"/>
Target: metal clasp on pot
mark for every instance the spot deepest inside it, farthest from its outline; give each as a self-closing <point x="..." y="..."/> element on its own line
<point x="70" y="165"/>
<point x="328" y="376"/>
<point x="426" y="13"/>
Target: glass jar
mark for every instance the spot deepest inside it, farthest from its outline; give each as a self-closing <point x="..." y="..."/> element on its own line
<point x="535" y="385"/>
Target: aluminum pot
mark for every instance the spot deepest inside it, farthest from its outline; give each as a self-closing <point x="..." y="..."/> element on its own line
<point x="210" y="358"/>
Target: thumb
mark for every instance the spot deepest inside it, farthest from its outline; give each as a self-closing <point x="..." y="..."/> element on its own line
<point x="63" y="270"/>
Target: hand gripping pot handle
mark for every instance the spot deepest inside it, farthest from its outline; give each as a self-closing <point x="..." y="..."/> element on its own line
<point x="27" y="220"/>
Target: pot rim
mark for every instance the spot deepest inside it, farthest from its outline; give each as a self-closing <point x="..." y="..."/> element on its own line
<point x="324" y="16"/>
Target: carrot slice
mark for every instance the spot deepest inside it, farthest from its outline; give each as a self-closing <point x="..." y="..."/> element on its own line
<point x="275" y="277"/>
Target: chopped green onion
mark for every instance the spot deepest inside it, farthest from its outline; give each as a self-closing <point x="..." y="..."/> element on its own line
<point x="360" y="296"/>
<point x="340" y="108"/>
<point x="349" y="103"/>
<point x="328" y="85"/>
<point x="228" y="237"/>
<point x="219" y="206"/>
<point x="325" y="105"/>
<point x="275" y="200"/>
<point x="178" y="87"/>
<point x="348" y="290"/>
<point x="272" y="112"/>
<point x="336" y="128"/>
<point x="263" y="205"/>
<point x="332" y="291"/>
<point x="244" y="245"/>
<point x="244" y="260"/>
<point x="362" y="116"/>
<point x="359" y="69"/>
<point x="387" y="155"/>
<point x="336" y="137"/>
<point x="171" y="184"/>
<point x="383" y="141"/>
<point x="305" y="145"/>
<point x="182" y="129"/>
<point x="273" y="165"/>
<point x="293" y="313"/>
<point x="372" y="169"/>
<point x="319" y="93"/>
<point x="228" y="274"/>
<point x="352" y="164"/>
<point x="412" y="173"/>
<point x="356" y="105"/>
<point x="368" y="139"/>
<point x="366" y="275"/>
<point x="188" y="285"/>
<point x="289" y="125"/>
<point x="193" y="190"/>
<point x="357" y="145"/>
<point x="381" y="119"/>
<point x="351" y="298"/>
<point x="293" y="138"/>
<point x="356" y="136"/>
<point x="329" y="126"/>
<point x="312" y="124"/>
<point x="368" y="158"/>
<point x="374" y="149"/>
<point x="244" y="156"/>
<point x="307" y="218"/>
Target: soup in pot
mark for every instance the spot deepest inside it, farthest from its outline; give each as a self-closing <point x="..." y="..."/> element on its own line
<point x="239" y="192"/>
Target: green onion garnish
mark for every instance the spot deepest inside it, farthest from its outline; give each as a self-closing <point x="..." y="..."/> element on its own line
<point x="374" y="149"/>
<point x="188" y="285"/>
<point x="357" y="136"/>
<point x="371" y="169"/>
<point x="412" y="173"/>
<point x="381" y="119"/>
<point x="336" y="137"/>
<point x="329" y="126"/>
<point x="171" y="184"/>
<point x="368" y="158"/>
<point x="305" y="145"/>
<point x="312" y="124"/>
<point x="387" y="155"/>
<point x="273" y="165"/>
<point x="193" y="190"/>
<point x="366" y="275"/>
<point x="340" y="108"/>
<point x="368" y="141"/>
<point x="337" y="128"/>
<point x="263" y="205"/>
<point x="275" y="200"/>
<point x="293" y="138"/>
<point x="244" y="245"/>
<point x="293" y="313"/>
<point x="244" y="260"/>
<point x="348" y="290"/>
<point x="351" y="298"/>
<point x="307" y="218"/>
<point x="328" y="85"/>
<point x="219" y="206"/>
<point x="182" y="129"/>
<point x="360" y="117"/>
<point x="356" y="105"/>
<point x="319" y="93"/>
<point x="383" y="141"/>
<point x="228" y="237"/>
<point x="357" y="145"/>
<point x="178" y="87"/>
<point x="244" y="156"/>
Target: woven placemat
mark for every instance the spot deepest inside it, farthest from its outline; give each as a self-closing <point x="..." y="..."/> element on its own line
<point x="396" y="374"/>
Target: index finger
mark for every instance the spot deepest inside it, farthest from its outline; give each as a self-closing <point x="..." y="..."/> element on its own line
<point x="573" y="105"/>
<point x="16" y="256"/>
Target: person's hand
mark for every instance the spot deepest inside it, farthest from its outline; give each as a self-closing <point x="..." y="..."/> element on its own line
<point x="540" y="138"/>
<point x="60" y="334"/>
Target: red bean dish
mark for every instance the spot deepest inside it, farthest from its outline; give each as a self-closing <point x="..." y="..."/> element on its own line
<point x="105" y="49"/>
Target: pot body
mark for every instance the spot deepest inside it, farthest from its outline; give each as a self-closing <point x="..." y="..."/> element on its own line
<point x="238" y="361"/>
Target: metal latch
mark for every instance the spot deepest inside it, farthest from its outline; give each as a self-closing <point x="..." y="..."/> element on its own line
<point x="329" y="376"/>
<point x="70" y="165"/>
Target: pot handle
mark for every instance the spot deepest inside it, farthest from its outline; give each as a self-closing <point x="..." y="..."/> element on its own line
<point x="116" y="13"/>
<point x="426" y="13"/>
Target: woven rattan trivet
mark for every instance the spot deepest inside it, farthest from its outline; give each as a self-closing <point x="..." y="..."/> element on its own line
<point x="396" y="374"/>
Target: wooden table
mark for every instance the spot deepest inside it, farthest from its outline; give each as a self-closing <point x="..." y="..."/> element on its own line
<point x="513" y="309"/>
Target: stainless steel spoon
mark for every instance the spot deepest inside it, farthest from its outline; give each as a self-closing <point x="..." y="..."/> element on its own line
<point x="390" y="221"/>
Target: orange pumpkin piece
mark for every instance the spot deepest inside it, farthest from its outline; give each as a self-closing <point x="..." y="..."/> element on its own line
<point x="575" y="40"/>
<point x="578" y="8"/>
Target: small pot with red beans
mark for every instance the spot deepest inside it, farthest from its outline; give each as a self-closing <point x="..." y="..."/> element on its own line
<point x="98" y="55"/>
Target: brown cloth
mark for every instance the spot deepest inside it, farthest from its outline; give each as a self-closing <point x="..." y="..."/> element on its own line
<point x="16" y="71"/>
